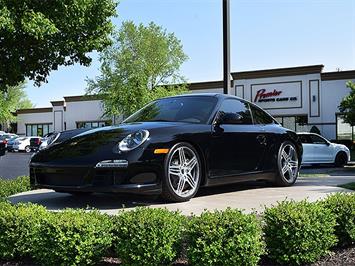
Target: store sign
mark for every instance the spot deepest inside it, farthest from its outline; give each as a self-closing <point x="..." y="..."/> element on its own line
<point x="277" y="95"/>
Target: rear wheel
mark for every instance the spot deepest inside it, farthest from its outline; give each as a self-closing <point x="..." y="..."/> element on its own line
<point x="287" y="164"/>
<point x="341" y="159"/>
<point x="27" y="149"/>
<point x="182" y="173"/>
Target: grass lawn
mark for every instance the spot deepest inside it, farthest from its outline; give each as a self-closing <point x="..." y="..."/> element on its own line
<point x="348" y="186"/>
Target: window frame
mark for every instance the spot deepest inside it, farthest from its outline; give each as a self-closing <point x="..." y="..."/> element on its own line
<point x="98" y="122"/>
<point x="234" y="99"/>
<point x="264" y="112"/>
<point x="42" y="126"/>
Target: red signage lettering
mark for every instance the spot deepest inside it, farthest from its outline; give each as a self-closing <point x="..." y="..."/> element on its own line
<point x="262" y="94"/>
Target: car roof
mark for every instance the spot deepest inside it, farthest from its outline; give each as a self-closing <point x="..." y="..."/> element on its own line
<point x="306" y="133"/>
<point x="206" y="94"/>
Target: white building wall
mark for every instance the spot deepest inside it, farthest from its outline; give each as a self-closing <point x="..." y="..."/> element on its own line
<point x="319" y="100"/>
<point x="333" y="91"/>
<point x="33" y="118"/>
<point x="83" y="111"/>
<point x="246" y="87"/>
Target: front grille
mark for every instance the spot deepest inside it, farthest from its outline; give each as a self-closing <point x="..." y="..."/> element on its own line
<point x="60" y="177"/>
<point x="103" y="178"/>
<point x="107" y="177"/>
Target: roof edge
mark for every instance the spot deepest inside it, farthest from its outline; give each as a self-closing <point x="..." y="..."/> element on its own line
<point x="82" y="98"/>
<point x="35" y="110"/>
<point x="348" y="74"/>
<point x="277" y="72"/>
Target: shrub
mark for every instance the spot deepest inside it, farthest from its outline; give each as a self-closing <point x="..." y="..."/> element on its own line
<point x="298" y="232"/>
<point x="13" y="186"/>
<point x="18" y="226"/>
<point x="148" y="236"/>
<point x="224" y="238"/>
<point x="72" y="238"/>
<point x="342" y="205"/>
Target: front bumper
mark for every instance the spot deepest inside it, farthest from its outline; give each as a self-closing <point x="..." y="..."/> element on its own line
<point x="138" y="178"/>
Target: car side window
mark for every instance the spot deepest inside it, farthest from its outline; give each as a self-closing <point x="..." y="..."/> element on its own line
<point x="317" y="140"/>
<point x="260" y="117"/>
<point x="234" y="111"/>
<point x="305" y="139"/>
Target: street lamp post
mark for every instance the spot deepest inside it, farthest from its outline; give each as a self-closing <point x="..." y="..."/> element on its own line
<point x="226" y="46"/>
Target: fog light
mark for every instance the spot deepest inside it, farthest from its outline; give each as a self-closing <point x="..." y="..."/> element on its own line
<point x="112" y="164"/>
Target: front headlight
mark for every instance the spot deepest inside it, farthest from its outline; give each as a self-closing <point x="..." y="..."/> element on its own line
<point x="133" y="140"/>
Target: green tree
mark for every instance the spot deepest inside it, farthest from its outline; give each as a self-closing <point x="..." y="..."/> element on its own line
<point x="347" y="105"/>
<point x="142" y="65"/>
<point x="37" y="36"/>
<point x="12" y="99"/>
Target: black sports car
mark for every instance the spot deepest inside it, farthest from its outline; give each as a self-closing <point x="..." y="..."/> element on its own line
<point x="171" y="147"/>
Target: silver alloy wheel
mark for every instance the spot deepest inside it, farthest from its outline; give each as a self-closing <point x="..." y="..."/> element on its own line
<point x="184" y="172"/>
<point x="288" y="163"/>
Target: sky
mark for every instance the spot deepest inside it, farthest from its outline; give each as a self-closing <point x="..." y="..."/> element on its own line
<point x="264" y="34"/>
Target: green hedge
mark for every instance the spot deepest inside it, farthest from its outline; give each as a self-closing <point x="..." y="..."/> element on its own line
<point x="224" y="238"/>
<point x="342" y="205"/>
<point x="289" y="233"/>
<point x="66" y="238"/>
<point x="10" y="187"/>
<point x="18" y="227"/>
<point x="298" y="232"/>
<point x="148" y="236"/>
<point x="72" y="238"/>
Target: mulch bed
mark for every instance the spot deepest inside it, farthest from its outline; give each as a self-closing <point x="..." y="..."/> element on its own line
<point x="338" y="257"/>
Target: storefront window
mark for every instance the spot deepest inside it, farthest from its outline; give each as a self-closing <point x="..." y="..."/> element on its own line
<point x="38" y="129"/>
<point x="344" y="130"/>
<point x="289" y="122"/>
<point x="278" y="119"/>
<point x="92" y="124"/>
<point x="296" y="123"/>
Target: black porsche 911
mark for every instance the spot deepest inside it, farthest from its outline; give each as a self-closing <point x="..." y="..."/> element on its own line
<point x="172" y="147"/>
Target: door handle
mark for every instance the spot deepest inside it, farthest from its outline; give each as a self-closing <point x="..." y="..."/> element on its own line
<point x="261" y="139"/>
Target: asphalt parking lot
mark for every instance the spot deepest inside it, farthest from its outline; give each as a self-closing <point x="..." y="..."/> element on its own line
<point x="14" y="164"/>
<point x="249" y="197"/>
<point x="313" y="184"/>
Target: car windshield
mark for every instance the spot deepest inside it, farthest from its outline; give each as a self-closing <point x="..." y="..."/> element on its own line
<point x="191" y="109"/>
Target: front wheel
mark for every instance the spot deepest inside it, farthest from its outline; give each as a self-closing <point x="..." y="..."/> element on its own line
<point x="341" y="159"/>
<point x="182" y="173"/>
<point x="287" y="164"/>
<point x="27" y="149"/>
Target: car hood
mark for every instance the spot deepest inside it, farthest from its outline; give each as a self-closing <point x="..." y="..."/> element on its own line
<point x="125" y="129"/>
<point x="340" y="146"/>
<point x="96" y="143"/>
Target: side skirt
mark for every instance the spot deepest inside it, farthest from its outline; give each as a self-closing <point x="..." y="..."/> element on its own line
<point x="230" y="179"/>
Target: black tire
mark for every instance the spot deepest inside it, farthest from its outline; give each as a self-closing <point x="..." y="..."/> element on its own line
<point x="290" y="177"/>
<point x="341" y="159"/>
<point x="168" y="192"/>
<point x="27" y="149"/>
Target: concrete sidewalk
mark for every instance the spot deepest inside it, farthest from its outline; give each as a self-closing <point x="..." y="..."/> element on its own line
<point x="249" y="197"/>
